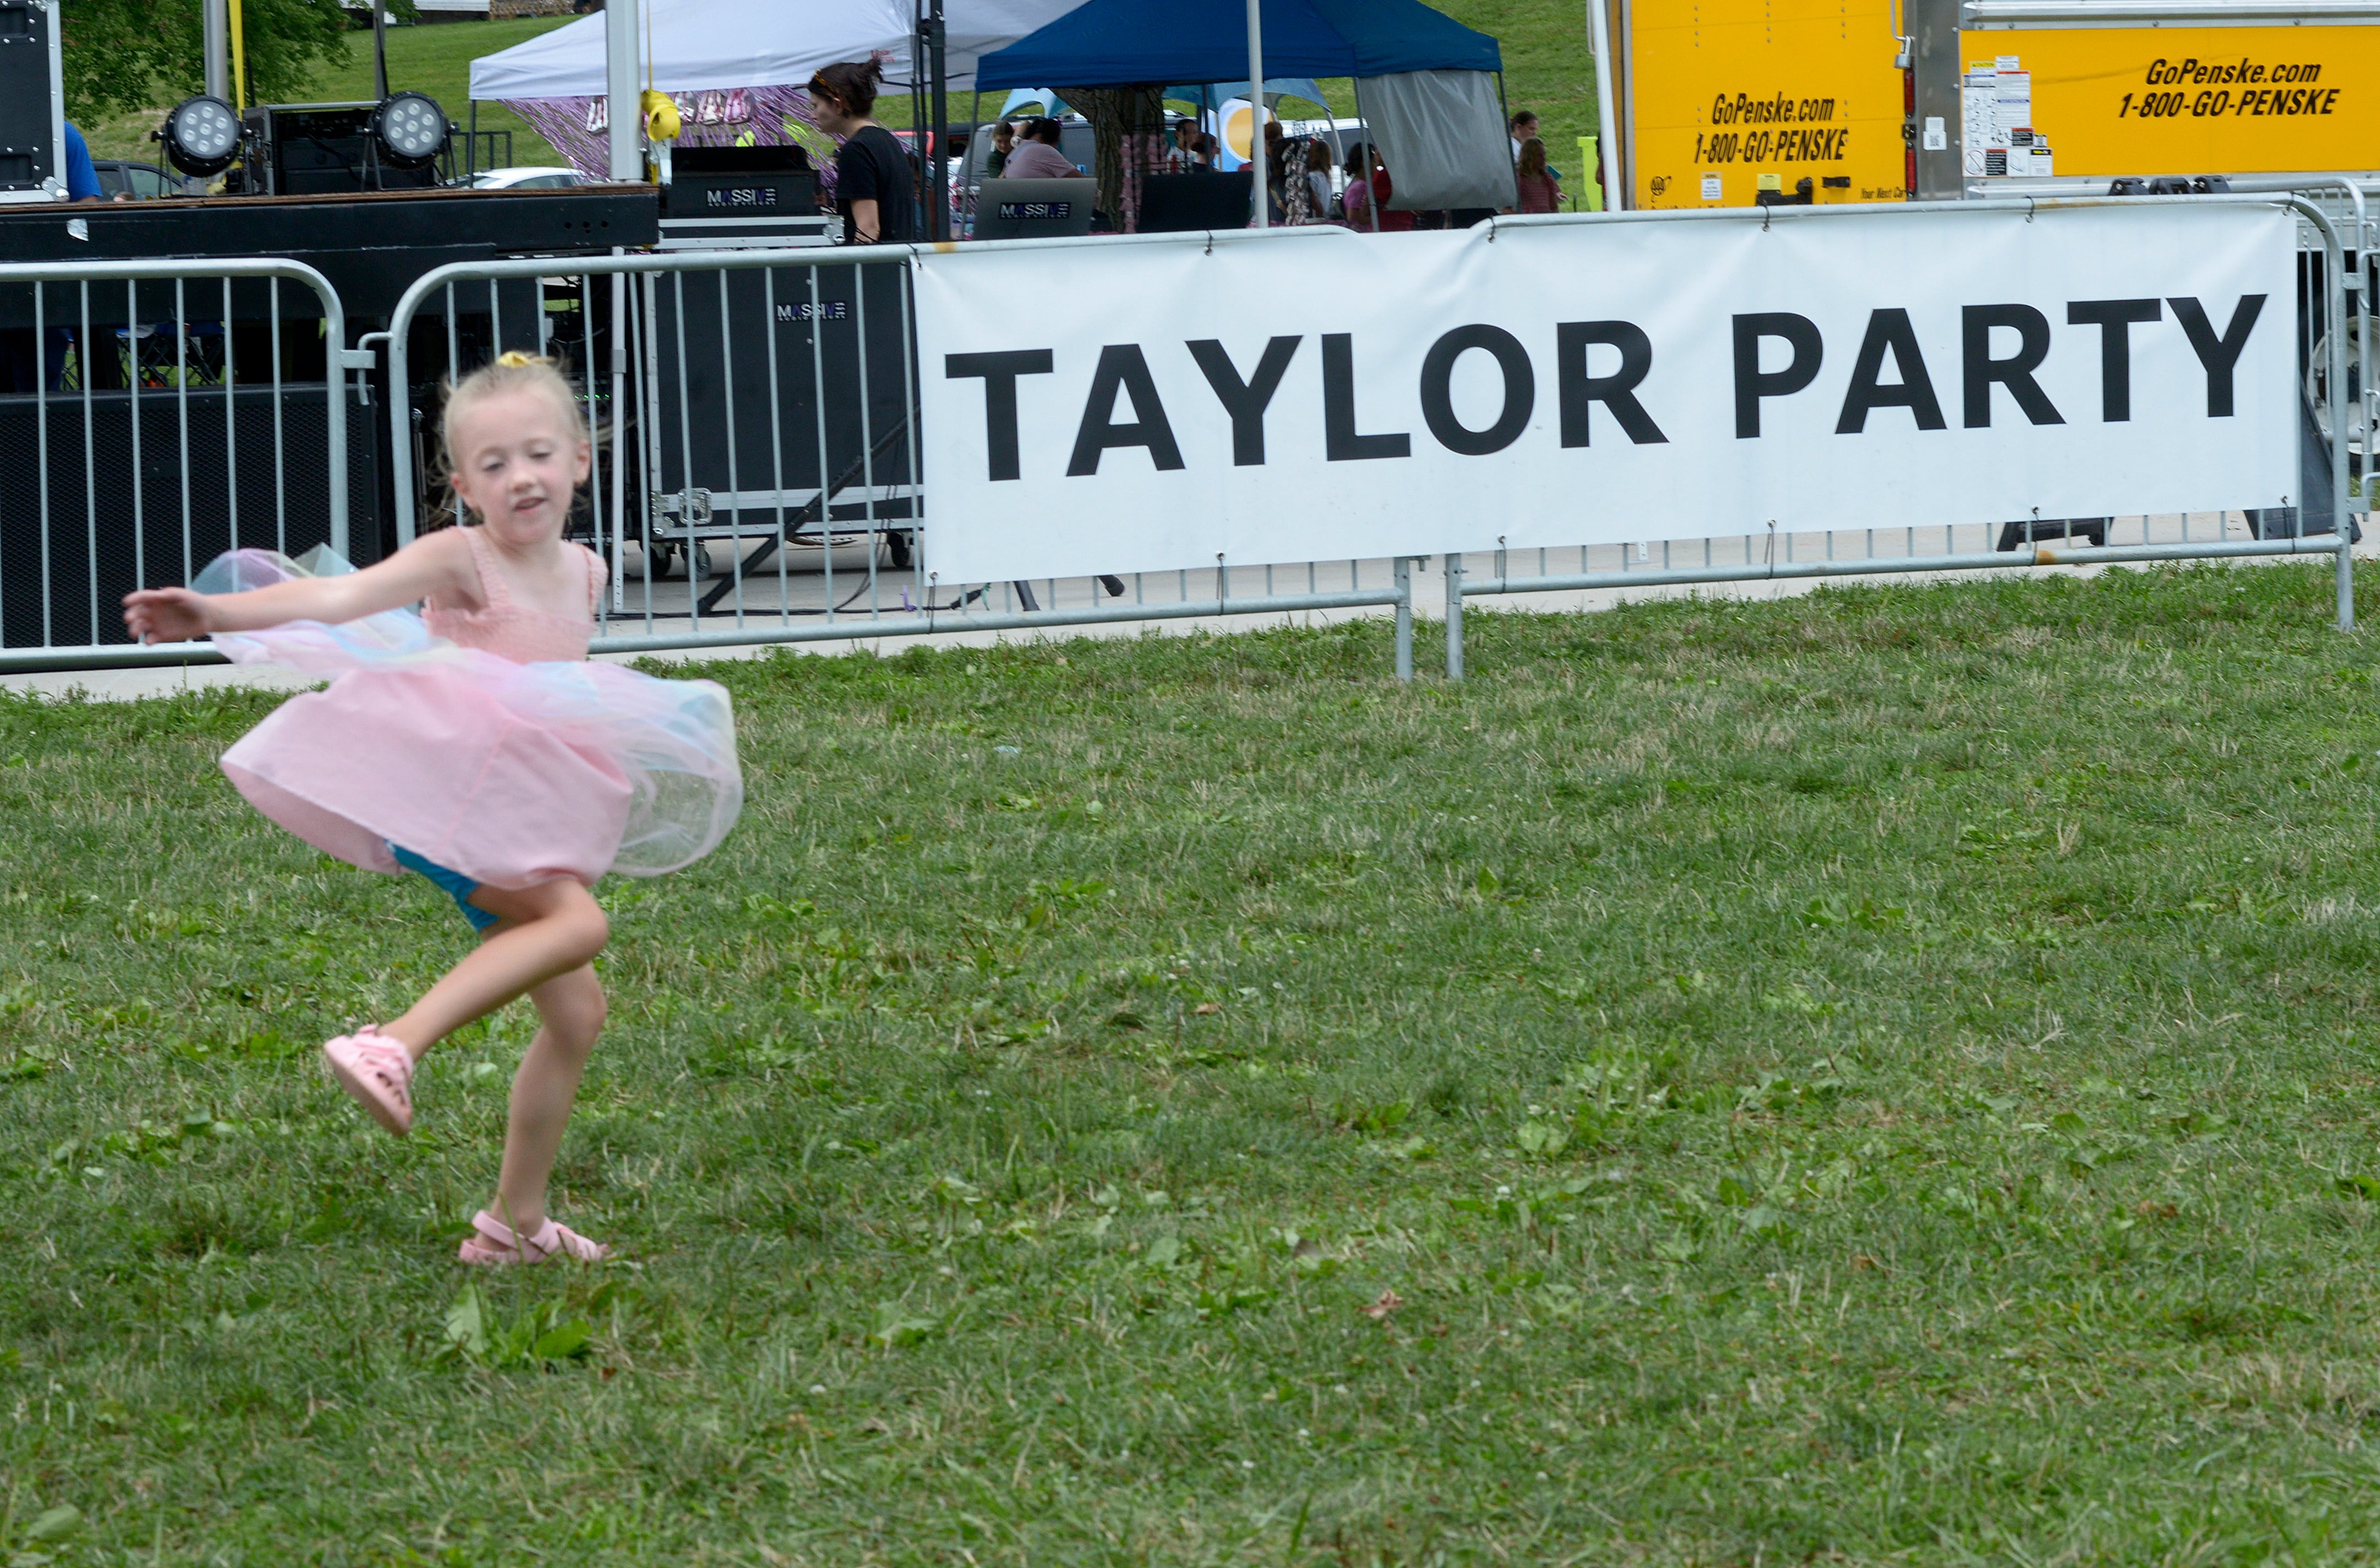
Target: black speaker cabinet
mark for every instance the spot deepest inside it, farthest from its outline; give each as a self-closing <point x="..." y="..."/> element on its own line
<point x="740" y="182"/>
<point x="319" y="149"/>
<point x="713" y="395"/>
<point x="33" y="103"/>
<point x="1186" y="203"/>
<point x="107" y="534"/>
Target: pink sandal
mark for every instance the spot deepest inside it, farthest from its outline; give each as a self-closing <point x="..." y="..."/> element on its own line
<point x="494" y="1242"/>
<point x="378" y="1071"/>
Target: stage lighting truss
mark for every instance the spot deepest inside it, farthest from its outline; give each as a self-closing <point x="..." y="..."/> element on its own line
<point x="201" y="136"/>
<point x="408" y="130"/>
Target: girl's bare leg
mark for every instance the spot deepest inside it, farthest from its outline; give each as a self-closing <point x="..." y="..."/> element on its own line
<point x="544" y="932"/>
<point x="570" y="1013"/>
<point x="542" y="947"/>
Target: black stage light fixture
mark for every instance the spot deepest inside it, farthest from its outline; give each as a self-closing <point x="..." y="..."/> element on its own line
<point x="201" y="136"/>
<point x="408" y="130"/>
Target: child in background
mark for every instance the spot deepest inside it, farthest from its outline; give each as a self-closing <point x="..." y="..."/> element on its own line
<point x="1539" y="186"/>
<point x="1355" y="201"/>
<point x="1317" y="181"/>
<point x="473" y="745"/>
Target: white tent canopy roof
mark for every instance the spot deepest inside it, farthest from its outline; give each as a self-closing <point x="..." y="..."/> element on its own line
<point x="697" y="46"/>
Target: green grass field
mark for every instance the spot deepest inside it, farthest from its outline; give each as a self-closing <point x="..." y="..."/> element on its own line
<point x="436" y="58"/>
<point x="1881" y="1077"/>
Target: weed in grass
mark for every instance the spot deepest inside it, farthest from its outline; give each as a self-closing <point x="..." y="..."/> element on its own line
<point x="1882" y="1077"/>
<point x="537" y="1337"/>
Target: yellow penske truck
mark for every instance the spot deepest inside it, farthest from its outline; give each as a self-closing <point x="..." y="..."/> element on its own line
<point x="1745" y="102"/>
<point x="2102" y="89"/>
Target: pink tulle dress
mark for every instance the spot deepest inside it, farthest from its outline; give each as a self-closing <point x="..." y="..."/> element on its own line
<point x="511" y="630"/>
<point x="480" y="739"/>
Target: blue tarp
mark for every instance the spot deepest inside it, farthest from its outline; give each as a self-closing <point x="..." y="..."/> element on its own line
<point x="1115" y="42"/>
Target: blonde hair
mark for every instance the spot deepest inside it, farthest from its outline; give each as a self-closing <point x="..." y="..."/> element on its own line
<point x="509" y="371"/>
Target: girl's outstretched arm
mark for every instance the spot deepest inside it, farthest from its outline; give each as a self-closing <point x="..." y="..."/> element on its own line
<point x="434" y="562"/>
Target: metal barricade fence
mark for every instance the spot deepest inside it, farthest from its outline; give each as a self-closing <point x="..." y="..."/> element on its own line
<point x="758" y="453"/>
<point x="2332" y="291"/>
<point x="757" y="456"/>
<point x="153" y="414"/>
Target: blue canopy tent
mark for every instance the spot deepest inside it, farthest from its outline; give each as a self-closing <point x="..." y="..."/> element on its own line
<point x="1119" y="42"/>
<point x="1129" y="43"/>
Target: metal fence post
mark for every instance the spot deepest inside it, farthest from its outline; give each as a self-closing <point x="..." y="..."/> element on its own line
<point x="2346" y="580"/>
<point x="1404" y="617"/>
<point x="2349" y="309"/>
<point x="2341" y="296"/>
<point x="1454" y="617"/>
<point x="334" y="417"/>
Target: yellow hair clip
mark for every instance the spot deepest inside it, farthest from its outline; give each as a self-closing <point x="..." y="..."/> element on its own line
<point x="513" y="359"/>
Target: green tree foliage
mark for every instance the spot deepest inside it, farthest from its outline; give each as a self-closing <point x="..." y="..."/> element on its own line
<point x="127" y="55"/>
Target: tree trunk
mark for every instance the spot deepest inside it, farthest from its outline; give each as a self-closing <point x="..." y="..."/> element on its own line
<point x="1129" y="125"/>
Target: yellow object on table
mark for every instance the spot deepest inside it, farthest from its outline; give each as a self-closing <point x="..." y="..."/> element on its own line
<point x="661" y="121"/>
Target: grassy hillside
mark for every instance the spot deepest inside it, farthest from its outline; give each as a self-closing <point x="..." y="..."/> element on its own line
<point x="437" y="60"/>
<point x="433" y="59"/>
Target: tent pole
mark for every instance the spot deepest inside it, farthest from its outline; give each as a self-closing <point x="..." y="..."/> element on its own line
<point x="380" y="46"/>
<point x="1506" y="106"/>
<point x="1263" y="203"/>
<point x="215" y="21"/>
<point x="916" y="95"/>
<point x="1607" y="143"/>
<point x="627" y="162"/>
<point x="940" y="227"/>
<point x="1371" y="195"/>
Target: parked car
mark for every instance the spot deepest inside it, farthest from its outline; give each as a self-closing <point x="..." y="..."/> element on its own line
<point x="527" y="178"/>
<point x="121" y="181"/>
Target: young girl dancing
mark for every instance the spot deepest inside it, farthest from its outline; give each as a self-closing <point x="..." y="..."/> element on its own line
<point x="474" y="745"/>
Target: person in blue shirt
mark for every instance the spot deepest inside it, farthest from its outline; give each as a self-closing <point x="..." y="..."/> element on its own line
<point x="82" y="180"/>
<point x="22" y="369"/>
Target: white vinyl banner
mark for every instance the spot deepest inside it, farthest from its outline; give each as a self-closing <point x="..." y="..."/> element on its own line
<point x="1315" y="394"/>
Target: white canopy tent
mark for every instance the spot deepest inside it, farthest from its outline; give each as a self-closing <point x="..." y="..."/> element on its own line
<point x="700" y="45"/>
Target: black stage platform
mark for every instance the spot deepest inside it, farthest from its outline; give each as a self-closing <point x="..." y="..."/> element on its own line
<point x="371" y="245"/>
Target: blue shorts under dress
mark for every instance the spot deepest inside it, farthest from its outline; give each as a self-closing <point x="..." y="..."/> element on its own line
<point x="452" y="883"/>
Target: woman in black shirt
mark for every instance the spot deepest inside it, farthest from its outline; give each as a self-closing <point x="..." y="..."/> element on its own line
<point x="874" y="188"/>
